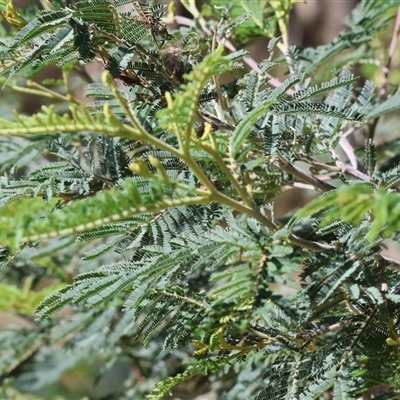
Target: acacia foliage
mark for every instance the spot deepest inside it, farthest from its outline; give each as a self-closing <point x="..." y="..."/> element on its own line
<point x="151" y="204"/>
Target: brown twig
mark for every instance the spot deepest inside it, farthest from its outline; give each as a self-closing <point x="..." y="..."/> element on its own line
<point x="342" y="168"/>
<point x="349" y="150"/>
<point x="386" y="70"/>
<point x="303" y="175"/>
<point x="392" y="48"/>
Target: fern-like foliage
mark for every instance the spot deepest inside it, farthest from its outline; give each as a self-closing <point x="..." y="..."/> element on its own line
<point x="150" y="202"/>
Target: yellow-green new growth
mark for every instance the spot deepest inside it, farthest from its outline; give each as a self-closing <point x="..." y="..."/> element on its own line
<point x="12" y="16"/>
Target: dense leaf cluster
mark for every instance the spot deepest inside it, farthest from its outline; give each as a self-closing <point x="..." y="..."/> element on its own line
<point x="150" y="204"/>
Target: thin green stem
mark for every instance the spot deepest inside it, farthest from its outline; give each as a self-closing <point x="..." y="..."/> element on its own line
<point x="187" y="376"/>
<point x="194" y="167"/>
<point x="38" y="90"/>
<point x="70" y="96"/>
<point x="116" y="20"/>
<point x="237" y="186"/>
<point x="218" y="197"/>
<point x="256" y="214"/>
<point x="123" y="102"/>
<point x="203" y="178"/>
<point x="248" y="208"/>
<point x="226" y="346"/>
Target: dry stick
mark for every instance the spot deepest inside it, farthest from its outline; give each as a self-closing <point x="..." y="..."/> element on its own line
<point x="342" y="168"/>
<point x="348" y="169"/>
<point x="386" y="70"/>
<point x="345" y="169"/>
<point x="349" y="150"/>
<point x="392" y="48"/>
<point x="302" y="175"/>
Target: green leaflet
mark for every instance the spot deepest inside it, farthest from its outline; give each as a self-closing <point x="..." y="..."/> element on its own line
<point x="163" y="188"/>
<point x="17" y="344"/>
<point x="105" y="207"/>
<point x="389" y="105"/>
<point x="353" y="203"/>
<point x="245" y="126"/>
<point x="39" y="25"/>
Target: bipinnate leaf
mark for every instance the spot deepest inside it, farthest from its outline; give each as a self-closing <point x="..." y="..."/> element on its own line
<point x="81" y="215"/>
